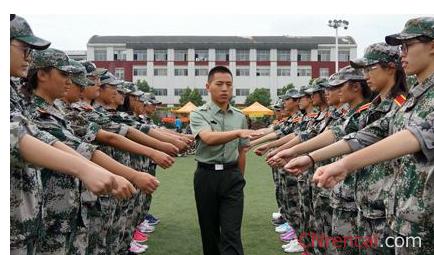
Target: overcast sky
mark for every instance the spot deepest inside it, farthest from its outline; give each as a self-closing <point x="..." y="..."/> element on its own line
<point x="71" y="32"/>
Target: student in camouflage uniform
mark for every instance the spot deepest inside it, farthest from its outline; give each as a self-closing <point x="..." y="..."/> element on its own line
<point x="407" y="135"/>
<point x="48" y="79"/>
<point x="389" y="82"/>
<point x="26" y="185"/>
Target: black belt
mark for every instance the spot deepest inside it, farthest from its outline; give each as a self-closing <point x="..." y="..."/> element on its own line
<point x="218" y="167"/>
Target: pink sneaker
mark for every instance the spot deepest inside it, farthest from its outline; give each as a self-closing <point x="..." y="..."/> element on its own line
<point x="139" y="237"/>
<point x="288" y="236"/>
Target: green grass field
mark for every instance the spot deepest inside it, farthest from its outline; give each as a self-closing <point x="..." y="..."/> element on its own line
<point x="178" y="233"/>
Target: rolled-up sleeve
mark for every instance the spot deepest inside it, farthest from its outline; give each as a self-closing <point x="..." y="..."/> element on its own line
<point x="423" y="130"/>
<point x="371" y="134"/>
<point x="198" y="123"/>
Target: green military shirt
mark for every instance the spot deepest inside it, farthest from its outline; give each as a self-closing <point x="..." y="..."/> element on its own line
<point x="211" y="118"/>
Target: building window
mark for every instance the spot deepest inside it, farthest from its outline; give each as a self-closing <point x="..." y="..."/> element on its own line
<point x="283" y="72"/>
<point x="120" y="54"/>
<point x="160" y="55"/>
<point x="203" y="92"/>
<point x="242" y="92"/>
<point x="283" y="55"/>
<point x="140" y="55"/>
<point x="263" y="72"/>
<point x="303" y="55"/>
<point x="201" y="55"/>
<point x="243" y="55"/>
<point x="178" y="92"/>
<point x="262" y="55"/>
<point x="304" y="71"/>
<point x="139" y="71"/>
<point x="181" y="55"/>
<point x="159" y="92"/>
<point x="201" y="72"/>
<point x="100" y="54"/>
<point x="242" y="72"/>
<point x="324" y="72"/>
<point x="344" y="55"/>
<point x="323" y="55"/>
<point x="222" y="55"/>
<point x="120" y="73"/>
<point x="181" y="72"/>
<point x="160" y="72"/>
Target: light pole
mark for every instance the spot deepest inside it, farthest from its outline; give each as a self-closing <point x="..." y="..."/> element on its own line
<point x="336" y="24"/>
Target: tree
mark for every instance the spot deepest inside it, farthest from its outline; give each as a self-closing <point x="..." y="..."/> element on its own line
<point x="144" y="86"/>
<point x="282" y="91"/>
<point x="261" y="96"/>
<point x="191" y="95"/>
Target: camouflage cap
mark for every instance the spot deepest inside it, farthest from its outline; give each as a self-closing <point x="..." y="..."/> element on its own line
<point x="142" y="98"/>
<point x="91" y="68"/>
<point x="422" y="26"/>
<point x="317" y="85"/>
<point x="20" y="30"/>
<point x="289" y="94"/>
<point x="110" y="79"/>
<point x="278" y="105"/>
<point x="377" y="53"/>
<point x="150" y="98"/>
<point x="52" y="58"/>
<point x="346" y="74"/>
<point x="124" y="87"/>
<point x="80" y="78"/>
<point x="300" y="93"/>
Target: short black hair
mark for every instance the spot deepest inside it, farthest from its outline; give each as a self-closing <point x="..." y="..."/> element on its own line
<point x="218" y="69"/>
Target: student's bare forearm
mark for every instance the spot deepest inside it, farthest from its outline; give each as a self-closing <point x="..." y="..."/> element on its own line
<point x="284" y="141"/>
<point x="113" y="166"/>
<point x="333" y="150"/>
<point x="325" y="138"/>
<point x="124" y="143"/>
<point x="265" y="138"/>
<point x="142" y="138"/>
<point x="394" y="146"/>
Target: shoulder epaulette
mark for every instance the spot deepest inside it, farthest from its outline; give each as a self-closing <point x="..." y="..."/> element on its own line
<point x="363" y="108"/>
<point x="400" y="100"/>
<point x="313" y="115"/>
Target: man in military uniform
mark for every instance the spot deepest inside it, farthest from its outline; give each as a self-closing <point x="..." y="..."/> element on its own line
<point x="221" y="135"/>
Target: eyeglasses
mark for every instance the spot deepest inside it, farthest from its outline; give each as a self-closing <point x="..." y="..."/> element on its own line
<point x="26" y="50"/>
<point x="405" y="45"/>
<point x="369" y="69"/>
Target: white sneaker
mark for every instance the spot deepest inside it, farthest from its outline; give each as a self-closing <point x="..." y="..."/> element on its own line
<point x="283" y="228"/>
<point x="144" y="227"/>
<point x="294" y="246"/>
<point x="284" y="246"/>
<point x="276" y="215"/>
<point x="137" y="248"/>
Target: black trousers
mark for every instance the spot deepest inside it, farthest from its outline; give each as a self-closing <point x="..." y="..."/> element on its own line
<point x="219" y="202"/>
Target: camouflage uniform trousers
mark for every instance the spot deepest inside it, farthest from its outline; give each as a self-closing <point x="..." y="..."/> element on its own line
<point x="344" y="224"/>
<point x="25" y="209"/>
<point x="291" y="202"/>
<point x="278" y="188"/>
<point x="61" y="202"/>
<point x="305" y="201"/>
<point x="120" y="212"/>
<point x="379" y="230"/>
<point x="100" y="216"/>
<point x="322" y="220"/>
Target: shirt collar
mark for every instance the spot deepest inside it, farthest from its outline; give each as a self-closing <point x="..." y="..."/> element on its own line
<point x="418" y="89"/>
<point x="215" y="108"/>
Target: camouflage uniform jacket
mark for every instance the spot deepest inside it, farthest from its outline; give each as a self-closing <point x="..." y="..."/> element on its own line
<point x="373" y="181"/>
<point x="410" y="203"/>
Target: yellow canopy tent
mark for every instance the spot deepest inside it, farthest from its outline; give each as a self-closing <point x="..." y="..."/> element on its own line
<point x="257" y="110"/>
<point x="187" y="108"/>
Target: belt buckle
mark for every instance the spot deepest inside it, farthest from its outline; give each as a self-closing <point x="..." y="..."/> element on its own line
<point x="218" y="167"/>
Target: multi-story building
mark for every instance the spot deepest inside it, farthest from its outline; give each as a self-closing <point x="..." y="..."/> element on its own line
<point x="170" y="64"/>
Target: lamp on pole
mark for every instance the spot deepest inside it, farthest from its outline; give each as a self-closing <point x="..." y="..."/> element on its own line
<point x="336" y="24"/>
